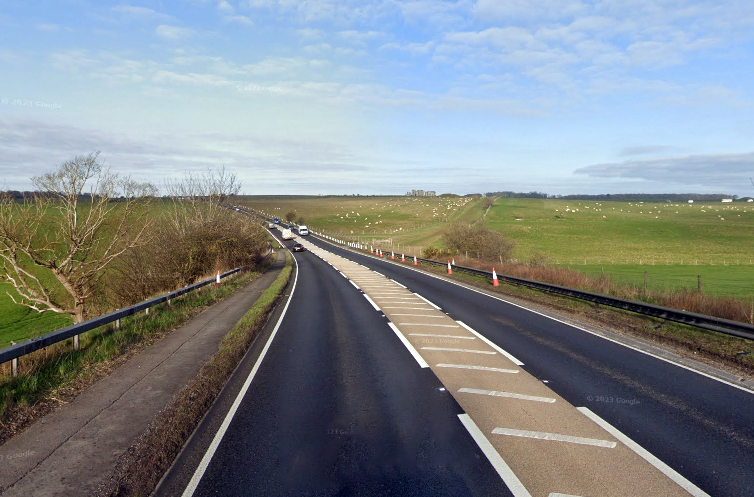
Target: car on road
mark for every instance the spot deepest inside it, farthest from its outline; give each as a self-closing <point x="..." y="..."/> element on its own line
<point x="297" y="247"/>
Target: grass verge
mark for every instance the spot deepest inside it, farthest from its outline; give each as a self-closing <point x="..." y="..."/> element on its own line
<point x="53" y="376"/>
<point x="141" y="468"/>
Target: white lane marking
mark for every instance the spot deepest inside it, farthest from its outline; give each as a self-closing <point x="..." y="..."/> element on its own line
<point x="557" y="437"/>
<point x="354" y="284"/>
<point x="377" y="272"/>
<point x="491" y="344"/>
<point x="502" y="468"/>
<point x="572" y="325"/>
<point x="478" y="368"/>
<point x="342" y="274"/>
<point x="396" y="298"/>
<point x="409" y="308"/>
<point x="441" y="336"/>
<point x="371" y="302"/>
<point x="419" y="315"/>
<point x="382" y="292"/>
<point x="556" y="494"/>
<point x="397" y="283"/>
<point x="204" y="463"/>
<point x="430" y="325"/>
<point x="510" y="395"/>
<point x="410" y="347"/>
<point x="645" y="454"/>
<point x="460" y="350"/>
<point x="427" y="301"/>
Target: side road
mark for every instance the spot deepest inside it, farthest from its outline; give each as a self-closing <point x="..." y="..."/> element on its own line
<point x="73" y="450"/>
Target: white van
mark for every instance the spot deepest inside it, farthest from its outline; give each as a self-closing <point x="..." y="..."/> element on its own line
<point x="303" y="230"/>
<point x="287" y="234"/>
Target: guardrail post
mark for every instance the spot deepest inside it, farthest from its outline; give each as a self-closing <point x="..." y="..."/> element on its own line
<point x="14" y="364"/>
<point x="117" y="322"/>
<point x="76" y="342"/>
<point x="146" y="311"/>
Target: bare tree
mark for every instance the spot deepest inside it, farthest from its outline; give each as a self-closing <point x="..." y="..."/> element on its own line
<point x="73" y="235"/>
<point x="198" y="199"/>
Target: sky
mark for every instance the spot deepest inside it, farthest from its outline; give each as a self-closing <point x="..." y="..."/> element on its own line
<point x="385" y="96"/>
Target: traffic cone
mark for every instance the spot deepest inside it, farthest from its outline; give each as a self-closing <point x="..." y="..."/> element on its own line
<point x="453" y="261"/>
<point x="217" y="281"/>
<point x="381" y="254"/>
<point x="415" y="263"/>
<point x="450" y="271"/>
<point x="403" y="257"/>
<point x="371" y="249"/>
<point x="494" y="278"/>
<point x="392" y="254"/>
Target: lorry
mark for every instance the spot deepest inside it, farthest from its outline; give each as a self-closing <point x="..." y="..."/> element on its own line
<point x="287" y="234"/>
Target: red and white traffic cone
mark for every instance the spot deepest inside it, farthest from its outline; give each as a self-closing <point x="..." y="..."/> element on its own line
<point x="450" y="271"/>
<point x="381" y="254"/>
<point x="415" y="263"/>
<point x="453" y="261"/>
<point x="217" y="281"/>
<point x="494" y="278"/>
<point x="403" y="257"/>
<point x="392" y="254"/>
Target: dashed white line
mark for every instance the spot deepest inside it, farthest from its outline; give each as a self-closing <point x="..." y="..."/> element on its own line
<point x="510" y="395"/>
<point x="440" y="336"/>
<point x="478" y="368"/>
<point x="410" y="347"/>
<point x="491" y="344"/>
<point x="489" y="352"/>
<point x="427" y="301"/>
<point x="376" y="308"/>
<point x="502" y="468"/>
<point x="557" y="437"/>
<point x="420" y="315"/>
<point x="645" y="454"/>
<point x="430" y="325"/>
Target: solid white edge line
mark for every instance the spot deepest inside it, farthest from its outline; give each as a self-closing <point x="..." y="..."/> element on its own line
<point x="355" y="285"/>
<point x="427" y="301"/>
<point x="645" y="454"/>
<point x="645" y="352"/>
<point x="204" y="463"/>
<point x="404" y="286"/>
<point x="506" y="474"/>
<point x="408" y="345"/>
<point x="491" y="344"/>
<point x="371" y="302"/>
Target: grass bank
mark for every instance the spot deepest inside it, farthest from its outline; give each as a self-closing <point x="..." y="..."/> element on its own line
<point x="54" y="375"/>
<point x="140" y="470"/>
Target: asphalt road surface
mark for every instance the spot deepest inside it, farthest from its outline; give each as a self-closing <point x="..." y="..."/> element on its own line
<point x="429" y="388"/>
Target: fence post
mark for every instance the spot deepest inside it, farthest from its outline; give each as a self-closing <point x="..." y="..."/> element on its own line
<point x="14" y="364"/>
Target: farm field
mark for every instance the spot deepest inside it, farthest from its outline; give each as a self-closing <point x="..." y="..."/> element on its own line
<point x="18" y="323"/>
<point x="674" y="242"/>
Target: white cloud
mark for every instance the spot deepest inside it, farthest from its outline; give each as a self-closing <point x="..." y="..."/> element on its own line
<point x="139" y="13"/>
<point x="173" y="32"/>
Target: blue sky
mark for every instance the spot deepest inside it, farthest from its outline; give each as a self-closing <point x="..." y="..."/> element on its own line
<point x="385" y="96"/>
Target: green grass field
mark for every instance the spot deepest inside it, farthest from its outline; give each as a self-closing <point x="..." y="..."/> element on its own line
<point x="18" y="323"/>
<point x="674" y="242"/>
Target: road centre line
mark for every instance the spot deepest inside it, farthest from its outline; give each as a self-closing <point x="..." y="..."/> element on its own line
<point x="204" y="463"/>
<point x="440" y="336"/>
<point x="645" y="454"/>
<point x="557" y="437"/>
<point x="410" y="347"/>
<point x="460" y="350"/>
<point x="520" y="396"/>
<point x="491" y="344"/>
<point x="572" y="325"/>
<point x="502" y="468"/>
<point x="477" y="368"/>
<point x="409" y="308"/>
<point x="420" y="316"/>
<point x="371" y="302"/>
<point x="430" y="325"/>
<point x="427" y="301"/>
